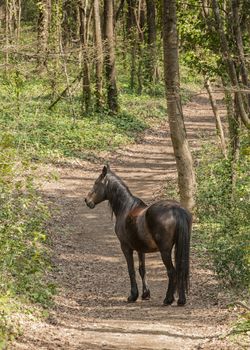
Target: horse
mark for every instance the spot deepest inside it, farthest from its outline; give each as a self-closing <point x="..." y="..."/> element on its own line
<point x="146" y="229"/>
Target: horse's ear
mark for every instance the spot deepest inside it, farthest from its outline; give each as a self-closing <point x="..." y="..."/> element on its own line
<point x="104" y="171"/>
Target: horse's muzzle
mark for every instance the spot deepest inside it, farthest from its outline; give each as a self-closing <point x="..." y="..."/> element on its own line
<point x="90" y="204"/>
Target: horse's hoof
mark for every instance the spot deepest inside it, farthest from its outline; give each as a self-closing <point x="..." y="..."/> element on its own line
<point x="132" y="298"/>
<point x="146" y="295"/>
<point x="181" y="302"/>
<point x="168" y="301"/>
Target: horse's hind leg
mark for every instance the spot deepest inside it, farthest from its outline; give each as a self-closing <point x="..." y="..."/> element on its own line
<point x="142" y="271"/>
<point x="166" y="258"/>
<point x="128" y="253"/>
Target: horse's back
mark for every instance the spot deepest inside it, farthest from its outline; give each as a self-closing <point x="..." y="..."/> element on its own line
<point x="162" y="218"/>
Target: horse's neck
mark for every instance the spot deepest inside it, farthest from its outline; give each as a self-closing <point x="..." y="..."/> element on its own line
<point x="121" y="201"/>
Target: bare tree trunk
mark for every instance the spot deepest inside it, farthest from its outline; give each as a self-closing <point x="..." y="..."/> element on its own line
<point x="236" y="146"/>
<point x="17" y="9"/>
<point x="230" y="65"/>
<point x="151" y="29"/>
<point x="85" y="69"/>
<point x="131" y="29"/>
<point x="7" y="18"/>
<point x="139" y="41"/>
<point x="186" y="176"/>
<point x="219" y="126"/>
<point x="43" y="32"/>
<point x="99" y="54"/>
<point x="119" y="10"/>
<point x="240" y="47"/>
<point x="69" y="22"/>
<point x="234" y="135"/>
<point x="112" y="93"/>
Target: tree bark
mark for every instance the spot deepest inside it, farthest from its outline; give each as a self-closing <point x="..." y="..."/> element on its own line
<point x="99" y="54"/>
<point x="234" y="135"/>
<point x="151" y="40"/>
<point x="186" y="176"/>
<point x="86" y="89"/>
<point x="219" y="126"/>
<point x="119" y="10"/>
<point x="240" y="47"/>
<point x="7" y="19"/>
<point x="112" y="94"/>
<point x="69" y="22"/>
<point x="131" y="30"/>
<point x="139" y="42"/>
<point x="43" y="32"/>
<point x="244" y="114"/>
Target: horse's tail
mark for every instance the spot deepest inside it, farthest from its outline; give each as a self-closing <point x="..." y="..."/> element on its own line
<point x="182" y="248"/>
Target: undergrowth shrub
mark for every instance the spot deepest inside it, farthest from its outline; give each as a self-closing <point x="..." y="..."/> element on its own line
<point x="23" y="260"/>
<point x="223" y="214"/>
<point x="22" y="217"/>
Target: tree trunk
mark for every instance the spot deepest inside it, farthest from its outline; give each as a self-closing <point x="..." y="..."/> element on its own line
<point x="99" y="54"/>
<point x="43" y="32"/>
<point x="234" y="136"/>
<point x="69" y="22"/>
<point x="151" y="40"/>
<point x="131" y="29"/>
<point x="186" y="176"/>
<point x="86" y="89"/>
<point x="7" y="18"/>
<point x="119" y="10"/>
<point x="139" y="42"/>
<point x="112" y="94"/>
<point x="230" y="65"/>
<point x="240" y="47"/>
<point x="219" y="126"/>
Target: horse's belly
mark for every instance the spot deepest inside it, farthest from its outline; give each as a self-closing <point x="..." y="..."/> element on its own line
<point x="141" y="240"/>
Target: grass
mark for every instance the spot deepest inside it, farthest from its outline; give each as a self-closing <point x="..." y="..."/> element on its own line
<point x="67" y="132"/>
<point x="64" y="131"/>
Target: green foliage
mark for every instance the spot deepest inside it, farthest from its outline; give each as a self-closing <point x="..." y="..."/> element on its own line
<point x="243" y="324"/>
<point x="42" y="133"/>
<point x="223" y="212"/>
<point x="22" y="217"/>
<point x="199" y="40"/>
<point x="23" y="260"/>
<point x="9" y="328"/>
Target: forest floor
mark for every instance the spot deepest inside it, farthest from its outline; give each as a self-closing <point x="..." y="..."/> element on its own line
<point x="90" y="310"/>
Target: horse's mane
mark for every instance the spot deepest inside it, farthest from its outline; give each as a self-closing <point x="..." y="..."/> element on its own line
<point x="119" y="196"/>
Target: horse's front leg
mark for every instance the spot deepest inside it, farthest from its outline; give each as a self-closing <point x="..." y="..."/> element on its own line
<point x="142" y="271"/>
<point x="128" y="253"/>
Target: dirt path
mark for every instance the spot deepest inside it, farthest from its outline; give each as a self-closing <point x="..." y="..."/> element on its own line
<point x="91" y="310"/>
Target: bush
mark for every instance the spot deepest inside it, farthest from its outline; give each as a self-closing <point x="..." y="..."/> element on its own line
<point x="223" y="214"/>
<point x="22" y="217"/>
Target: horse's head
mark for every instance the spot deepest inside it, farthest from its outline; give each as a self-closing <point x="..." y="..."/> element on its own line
<point x="98" y="192"/>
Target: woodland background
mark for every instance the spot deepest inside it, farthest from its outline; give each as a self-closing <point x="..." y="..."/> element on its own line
<point x="79" y="77"/>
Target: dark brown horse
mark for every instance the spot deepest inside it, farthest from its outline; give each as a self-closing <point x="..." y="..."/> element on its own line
<point x="147" y="229"/>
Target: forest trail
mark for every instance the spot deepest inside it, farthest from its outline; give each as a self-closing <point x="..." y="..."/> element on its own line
<point x="90" y="309"/>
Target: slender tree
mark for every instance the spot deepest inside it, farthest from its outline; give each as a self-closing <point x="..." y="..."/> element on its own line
<point x="86" y="89"/>
<point x="232" y="73"/>
<point x="99" y="54"/>
<point x="7" y="20"/>
<point x="44" y="8"/>
<point x="69" y="22"/>
<point x="112" y="94"/>
<point x="131" y="30"/>
<point x="151" y="40"/>
<point x="186" y="176"/>
<point x="240" y="47"/>
<point x="218" y="122"/>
